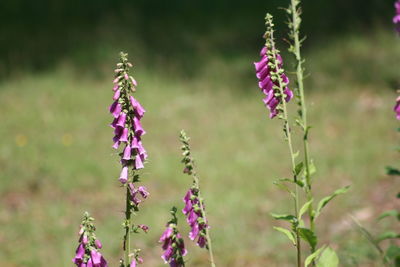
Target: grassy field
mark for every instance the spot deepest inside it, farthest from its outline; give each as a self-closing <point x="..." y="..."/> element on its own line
<point x="56" y="158"/>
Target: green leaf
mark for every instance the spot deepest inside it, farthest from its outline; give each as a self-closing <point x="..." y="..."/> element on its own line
<point x="387" y="235"/>
<point x="313" y="256"/>
<point x="285" y="217"/>
<point x="322" y="203"/>
<point x="295" y="155"/>
<point x="328" y="258"/>
<point x="298" y="168"/>
<point x="305" y="207"/>
<point x="284" y="187"/>
<point x="288" y="233"/>
<point x="311" y="167"/>
<point x="308" y="236"/>
<point x="388" y="213"/>
<point x="392" y="171"/>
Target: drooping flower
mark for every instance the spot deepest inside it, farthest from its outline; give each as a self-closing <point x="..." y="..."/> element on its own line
<point x="172" y="243"/>
<point x="397" y="108"/>
<point x="88" y="251"/>
<point x="271" y="76"/>
<point x="396" y="18"/>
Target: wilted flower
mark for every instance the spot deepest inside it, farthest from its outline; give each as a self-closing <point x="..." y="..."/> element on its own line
<point x="87" y="253"/>
<point x="172" y="243"/>
<point x="271" y="76"/>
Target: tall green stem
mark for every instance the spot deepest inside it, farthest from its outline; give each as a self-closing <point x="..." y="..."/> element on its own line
<point x="127" y="237"/>
<point x="290" y="145"/>
<point x="296" y="20"/>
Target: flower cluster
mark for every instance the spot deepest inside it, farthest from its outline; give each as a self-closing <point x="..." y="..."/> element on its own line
<point x="194" y="206"/>
<point x="195" y="218"/>
<point x="135" y="192"/>
<point x="270" y="73"/>
<point x="397" y="108"/>
<point x="87" y="253"/>
<point x="396" y="18"/>
<point x="172" y="243"/>
<point x="127" y="113"/>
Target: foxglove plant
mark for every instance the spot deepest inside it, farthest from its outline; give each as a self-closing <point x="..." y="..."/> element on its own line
<point x="172" y="243"/>
<point x="128" y="132"/>
<point x="194" y="209"/>
<point x="274" y="84"/>
<point x="88" y="251"/>
<point x="396" y="18"/>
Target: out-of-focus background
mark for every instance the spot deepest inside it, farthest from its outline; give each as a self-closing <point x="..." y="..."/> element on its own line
<point x="193" y="62"/>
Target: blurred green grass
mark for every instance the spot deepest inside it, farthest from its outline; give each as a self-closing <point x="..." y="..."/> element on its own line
<point x="56" y="157"/>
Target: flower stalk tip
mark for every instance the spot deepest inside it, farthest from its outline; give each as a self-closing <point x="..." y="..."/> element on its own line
<point x="88" y="251"/>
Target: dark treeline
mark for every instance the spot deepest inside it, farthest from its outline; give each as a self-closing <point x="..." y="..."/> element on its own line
<point x="37" y="34"/>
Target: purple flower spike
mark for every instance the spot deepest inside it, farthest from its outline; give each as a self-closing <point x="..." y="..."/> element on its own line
<point x="87" y="253"/>
<point x="172" y="243"/>
<point x="266" y="84"/>
<point x="127" y="113"/>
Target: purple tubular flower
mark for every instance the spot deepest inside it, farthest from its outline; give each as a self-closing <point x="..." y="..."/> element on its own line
<point x="87" y="253"/>
<point x="397" y="108"/>
<point x="172" y="244"/>
<point x="266" y="84"/>
<point x="194" y="217"/>
<point x="127" y="152"/>
<point x="123" y="178"/>
<point x="396" y="18"/>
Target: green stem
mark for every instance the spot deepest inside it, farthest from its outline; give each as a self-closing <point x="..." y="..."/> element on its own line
<point x="292" y="155"/>
<point x="127" y="237"/>
<point x="300" y="78"/>
<point x="203" y="213"/>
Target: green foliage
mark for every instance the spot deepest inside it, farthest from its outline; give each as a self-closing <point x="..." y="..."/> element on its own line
<point x="311" y="258"/>
<point x="288" y="233"/>
<point x="323" y="202"/>
<point x="390" y="213"/>
<point x="308" y="236"/>
<point x="328" y="258"/>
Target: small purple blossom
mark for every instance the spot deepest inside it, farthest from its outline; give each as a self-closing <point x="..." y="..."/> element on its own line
<point x="396" y="18"/>
<point x="172" y="243"/>
<point x="87" y="253"/>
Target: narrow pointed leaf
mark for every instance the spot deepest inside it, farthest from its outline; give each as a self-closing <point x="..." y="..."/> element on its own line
<point x="388" y="213"/>
<point x="285" y="217"/>
<point x="323" y="202"/>
<point x="305" y="207"/>
<point x="286" y="232"/>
